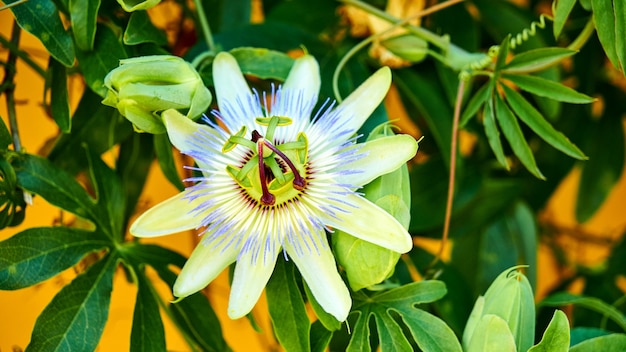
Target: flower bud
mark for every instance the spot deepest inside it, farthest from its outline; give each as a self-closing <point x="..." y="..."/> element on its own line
<point x="407" y="47"/>
<point x="510" y="297"/>
<point x="134" y="5"/>
<point x="141" y="87"/>
<point x="365" y="263"/>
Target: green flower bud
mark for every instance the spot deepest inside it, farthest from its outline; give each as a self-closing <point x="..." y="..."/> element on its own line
<point x="134" y="5"/>
<point x="510" y="297"/>
<point x="142" y="87"/>
<point x="407" y="47"/>
<point x="365" y="263"/>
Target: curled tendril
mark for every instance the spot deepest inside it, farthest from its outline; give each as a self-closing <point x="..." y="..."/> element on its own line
<point x="528" y="33"/>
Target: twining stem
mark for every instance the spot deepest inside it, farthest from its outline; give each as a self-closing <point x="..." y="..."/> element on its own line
<point x="584" y="35"/>
<point x="9" y="87"/>
<point x="22" y="55"/>
<point x="452" y="174"/>
<point x="396" y="23"/>
<point x="204" y="24"/>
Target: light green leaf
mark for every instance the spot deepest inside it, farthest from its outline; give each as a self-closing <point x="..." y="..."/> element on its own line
<point x="83" y="15"/>
<point x="147" y="333"/>
<point x="286" y="308"/>
<point x="607" y="343"/>
<point x="556" y="336"/>
<point x="537" y="59"/>
<point x="562" y="9"/>
<point x="533" y="119"/>
<point x="59" y="101"/>
<point x="104" y="57"/>
<point x="75" y="318"/>
<point x="263" y="63"/>
<point x="547" y="88"/>
<point x="41" y="19"/>
<point x="37" y="254"/>
<point x="595" y="304"/>
<point x="513" y="133"/>
<point x="492" y="334"/>
<point x="610" y="19"/>
<point x="493" y="134"/>
<point x="141" y="30"/>
<point x="475" y="103"/>
<point x="360" y="340"/>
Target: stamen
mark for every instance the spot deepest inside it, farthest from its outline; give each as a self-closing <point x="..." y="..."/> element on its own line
<point x="267" y="198"/>
<point x="298" y="181"/>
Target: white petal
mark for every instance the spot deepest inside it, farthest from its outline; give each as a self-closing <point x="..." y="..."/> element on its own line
<point x="249" y="280"/>
<point x="233" y="93"/>
<point x="304" y="76"/>
<point x="370" y="223"/>
<point x="180" y="129"/>
<point x="204" y="264"/>
<point x="359" y="105"/>
<point x="382" y="155"/>
<point x="170" y="216"/>
<point x="320" y="273"/>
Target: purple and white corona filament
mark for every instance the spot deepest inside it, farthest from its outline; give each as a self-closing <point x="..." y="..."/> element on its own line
<point x="275" y="179"/>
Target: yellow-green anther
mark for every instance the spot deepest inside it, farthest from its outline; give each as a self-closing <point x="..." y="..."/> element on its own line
<point x="276" y="170"/>
<point x="304" y="151"/>
<point x="238" y="138"/>
<point x="247" y="167"/>
<point x="272" y="123"/>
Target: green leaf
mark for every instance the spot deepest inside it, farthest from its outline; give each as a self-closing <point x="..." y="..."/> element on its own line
<point x="513" y="133"/>
<point x="537" y="59"/>
<point x="83" y="15"/>
<point x="389" y="307"/>
<point x="533" y="119"/>
<point x="141" y="30"/>
<point x="164" y="152"/>
<point x="59" y="101"/>
<point x="424" y="96"/>
<point x="88" y="123"/>
<point x="194" y="315"/>
<point x="548" y="89"/>
<point x="595" y="304"/>
<point x="556" y="336"/>
<point x="39" y="176"/>
<point x="75" y="318"/>
<point x="562" y="9"/>
<point x="475" y="103"/>
<point x="607" y="343"/>
<point x="37" y="254"/>
<point x="320" y="337"/>
<point x="610" y="20"/>
<point x="287" y="310"/>
<point x="110" y="198"/>
<point x="604" y="168"/>
<point x="263" y="63"/>
<point x="105" y="56"/>
<point x="493" y="134"/>
<point x="41" y="19"/>
<point x="147" y="333"/>
<point x="430" y="332"/>
<point x="133" y="165"/>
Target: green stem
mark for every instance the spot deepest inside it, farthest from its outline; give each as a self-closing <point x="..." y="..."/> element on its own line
<point x="438" y="41"/>
<point x="204" y="24"/>
<point x="583" y="36"/>
<point x="9" y="87"/>
<point x="452" y="174"/>
<point x="22" y="55"/>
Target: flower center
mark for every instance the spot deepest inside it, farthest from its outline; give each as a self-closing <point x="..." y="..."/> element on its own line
<point x="271" y="174"/>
